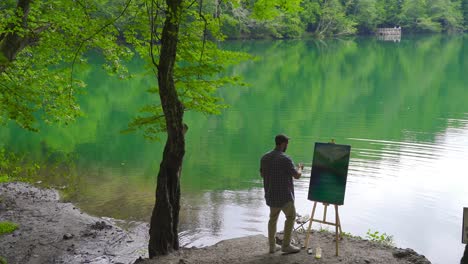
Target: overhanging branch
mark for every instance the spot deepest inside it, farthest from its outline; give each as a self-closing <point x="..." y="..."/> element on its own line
<point x="88" y="39"/>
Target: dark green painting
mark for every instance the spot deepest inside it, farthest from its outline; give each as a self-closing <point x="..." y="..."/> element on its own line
<point x="329" y="173"/>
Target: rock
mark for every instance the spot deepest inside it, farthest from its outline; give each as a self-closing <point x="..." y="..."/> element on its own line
<point x="67" y="236"/>
<point x="139" y="260"/>
<point x="403" y="253"/>
<point x="100" y="225"/>
<point x="410" y="256"/>
<point x="89" y="234"/>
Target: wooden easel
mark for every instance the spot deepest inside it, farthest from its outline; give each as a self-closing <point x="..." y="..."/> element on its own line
<point x="337" y="224"/>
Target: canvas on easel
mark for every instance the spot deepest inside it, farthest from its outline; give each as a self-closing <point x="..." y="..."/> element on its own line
<point x="328" y="182"/>
<point x="329" y="173"/>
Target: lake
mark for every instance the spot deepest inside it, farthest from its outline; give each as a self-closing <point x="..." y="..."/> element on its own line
<point x="402" y="106"/>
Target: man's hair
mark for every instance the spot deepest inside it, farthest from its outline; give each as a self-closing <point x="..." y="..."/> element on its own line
<point x="280" y="139"/>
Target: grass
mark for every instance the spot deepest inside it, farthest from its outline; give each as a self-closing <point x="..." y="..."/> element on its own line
<point x="3" y="179"/>
<point x="7" y="227"/>
<point x="373" y="236"/>
<point x="349" y="235"/>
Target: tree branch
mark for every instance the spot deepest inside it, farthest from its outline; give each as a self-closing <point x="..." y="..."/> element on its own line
<point x="200" y="13"/>
<point x="153" y="32"/>
<point x="89" y="38"/>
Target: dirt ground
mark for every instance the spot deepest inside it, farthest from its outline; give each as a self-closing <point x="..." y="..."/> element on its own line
<point x="51" y="231"/>
<point x="253" y="250"/>
<point x="55" y="232"/>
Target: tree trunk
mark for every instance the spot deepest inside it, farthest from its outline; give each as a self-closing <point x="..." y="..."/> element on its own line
<point x="165" y="217"/>
<point x="12" y="43"/>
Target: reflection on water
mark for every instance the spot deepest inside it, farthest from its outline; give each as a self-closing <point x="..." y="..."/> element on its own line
<point x="217" y="215"/>
<point x="413" y="191"/>
<point x="401" y="107"/>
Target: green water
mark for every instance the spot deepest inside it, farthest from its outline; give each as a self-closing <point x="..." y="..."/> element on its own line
<point x="402" y="106"/>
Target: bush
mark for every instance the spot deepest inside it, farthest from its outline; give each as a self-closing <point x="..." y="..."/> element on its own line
<point x="381" y="238"/>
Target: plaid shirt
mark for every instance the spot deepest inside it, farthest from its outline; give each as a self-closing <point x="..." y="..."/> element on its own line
<point x="277" y="170"/>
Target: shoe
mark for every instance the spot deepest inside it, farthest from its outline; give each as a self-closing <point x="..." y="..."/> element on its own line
<point x="276" y="248"/>
<point x="290" y="249"/>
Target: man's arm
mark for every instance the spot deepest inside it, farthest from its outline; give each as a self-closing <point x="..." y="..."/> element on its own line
<point x="295" y="172"/>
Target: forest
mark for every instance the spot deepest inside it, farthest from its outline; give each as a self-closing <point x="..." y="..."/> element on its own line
<point x="326" y="18"/>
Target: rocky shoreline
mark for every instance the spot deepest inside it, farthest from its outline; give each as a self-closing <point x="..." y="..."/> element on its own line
<point x="52" y="231"/>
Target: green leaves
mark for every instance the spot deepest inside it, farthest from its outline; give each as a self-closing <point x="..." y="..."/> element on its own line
<point x="432" y="15"/>
<point x="270" y="9"/>
<point x="378" y="237"/>
<point x="200" y="64"/>
<point x="40" y="82"/>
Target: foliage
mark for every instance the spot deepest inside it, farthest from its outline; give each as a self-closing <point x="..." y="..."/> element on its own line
<point x="14" y="167"/>
<point x="199" y="61"/>
<point x="4" y="178"/>
<point x="465" y="13"/>
<point x="368" y="14"/>
<point x="333" y="18"/>
<point x="7" y="227"/>
<point x="37" y="78"/>
<point x="381" y="238"/>
<point x="432" y="15"/>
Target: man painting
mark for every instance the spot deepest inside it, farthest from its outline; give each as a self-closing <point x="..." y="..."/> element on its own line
<point x="277" y="170"/>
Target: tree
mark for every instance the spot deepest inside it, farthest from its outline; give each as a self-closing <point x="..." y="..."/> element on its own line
<point x="41" y="44"/>
<point x="333" y="20"/>
<point x="391" y="10"/>
<point x="465" y="13"/>
<point x="414" y="16"/>
<point x="188" y="67"/>
<point x="367" y="14"/>
<point x="310" y="14"/>
<point x="447" y="13"/>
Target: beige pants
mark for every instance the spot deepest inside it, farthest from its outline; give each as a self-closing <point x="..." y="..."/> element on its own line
<point x="290" y="212"/>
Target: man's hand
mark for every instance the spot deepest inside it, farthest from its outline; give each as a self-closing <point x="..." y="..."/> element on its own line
<point x="299" y="169"/>
<point x="300" y="165"/>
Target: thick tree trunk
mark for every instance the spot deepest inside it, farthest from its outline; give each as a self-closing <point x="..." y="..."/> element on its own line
<point x="165" y="218"/>
<point x="12" y="43"/>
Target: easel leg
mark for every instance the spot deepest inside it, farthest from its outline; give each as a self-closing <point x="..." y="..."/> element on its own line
<point x="337" y="226"/>
<point x="310" y="226"/>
